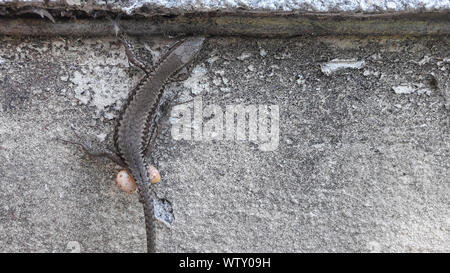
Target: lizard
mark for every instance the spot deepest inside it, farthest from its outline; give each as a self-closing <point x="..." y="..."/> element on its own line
<point x="133" y="130"/>
<point x="137" y="127"/>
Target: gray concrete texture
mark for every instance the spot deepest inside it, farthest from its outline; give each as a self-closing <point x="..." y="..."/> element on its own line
<point x="340" y="6"/>
<point x="362" y="164"/>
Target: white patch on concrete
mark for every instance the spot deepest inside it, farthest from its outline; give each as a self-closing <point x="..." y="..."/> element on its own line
<point x="262" y="52"/>
<point x="197" y="83"/>
<point x="339" y="64"/>
<point x="73" y="247"/>
<point x="101" y="137"/>
<point x="244" y="56"/>
<point x="368" y="72"/>
<point x="300" y="79"/>
<point x="73" y="2"/>
<point x="418" y="88"/>
<point x="212" y="59"/>
<point x="102" y="82"/>
<point x="374" y="247"/>
<point x="102" y="87"/>
<point x="424" y="60"/>
<point x="403" y="89"/>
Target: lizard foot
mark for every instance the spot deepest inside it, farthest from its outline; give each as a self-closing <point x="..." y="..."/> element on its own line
<point x="93" y="151"/>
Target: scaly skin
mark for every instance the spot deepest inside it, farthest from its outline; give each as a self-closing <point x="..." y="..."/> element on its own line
<point x="132" y="130"/>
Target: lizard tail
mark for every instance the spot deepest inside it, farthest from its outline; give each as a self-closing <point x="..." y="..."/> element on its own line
<point x="150" y="228"/>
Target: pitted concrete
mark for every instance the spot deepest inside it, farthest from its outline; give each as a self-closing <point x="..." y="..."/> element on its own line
<point x="359" y="167"/>
<point x="340" y="6"/>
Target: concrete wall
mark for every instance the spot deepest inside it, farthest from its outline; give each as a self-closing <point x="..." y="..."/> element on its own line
<point x="362" y="162"/>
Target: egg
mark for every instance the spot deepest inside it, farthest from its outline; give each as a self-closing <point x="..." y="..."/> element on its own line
<point x="125" y="181"/>
<point x="153" y="172"/>
<point x="127" y="184"/>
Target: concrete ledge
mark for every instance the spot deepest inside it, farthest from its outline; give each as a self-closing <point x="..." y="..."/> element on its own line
<point x="177" y="7"/>
<point x="253" y="25"/>
<point x="151" y="18"/>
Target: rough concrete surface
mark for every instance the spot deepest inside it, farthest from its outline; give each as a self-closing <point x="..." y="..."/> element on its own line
<point x="133" y="6"/>
<point x="362" y="163"/>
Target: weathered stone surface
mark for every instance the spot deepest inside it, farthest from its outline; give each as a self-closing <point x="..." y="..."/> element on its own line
<point x="265" y="18"/>
<point x="351" y="6"/>
<point x="358" y="167"/>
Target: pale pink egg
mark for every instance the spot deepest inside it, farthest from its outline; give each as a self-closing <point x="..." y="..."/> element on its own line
<point x="125" y="181"/>
<point x="153" y="172"/>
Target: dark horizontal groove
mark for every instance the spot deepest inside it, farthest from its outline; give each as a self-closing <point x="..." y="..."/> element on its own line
<point x="240" y="24"/>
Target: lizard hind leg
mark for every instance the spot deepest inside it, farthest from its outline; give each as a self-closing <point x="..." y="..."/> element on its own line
<point x="94" y="150"/>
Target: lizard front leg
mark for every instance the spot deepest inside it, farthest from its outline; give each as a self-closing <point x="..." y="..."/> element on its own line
<point x="130" y="56"/>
